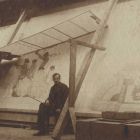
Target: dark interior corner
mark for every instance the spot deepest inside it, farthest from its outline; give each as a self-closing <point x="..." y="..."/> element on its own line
<point x="10" y="10"/>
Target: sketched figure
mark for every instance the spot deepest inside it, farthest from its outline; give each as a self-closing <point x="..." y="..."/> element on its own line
<point x="45" y="59"/>
<point x="24" y="69"/>
<point x="32" y="69"/>
<point x="38" y="91"/>
<point x="41" y="84"/>
<point x="38" y="84"/>
<point x="22" y="84"/>
<point x="52" y="68"/>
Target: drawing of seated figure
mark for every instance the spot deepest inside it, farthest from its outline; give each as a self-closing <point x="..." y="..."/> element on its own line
<point x="44" y="58"/>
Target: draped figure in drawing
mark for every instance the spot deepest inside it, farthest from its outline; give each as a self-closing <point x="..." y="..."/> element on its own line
<point x="32" y="69"/>
<point x="38" y="86"/>
<point x="41" y="83"/>
<point x="30" y="77"/>
<point x="22" y="85"/>
<point x="24" y="69"/>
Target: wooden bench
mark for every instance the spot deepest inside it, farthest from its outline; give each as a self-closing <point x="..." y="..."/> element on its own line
<point x="23" y="118"/>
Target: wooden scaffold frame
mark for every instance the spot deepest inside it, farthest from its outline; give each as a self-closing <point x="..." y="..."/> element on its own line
<point x="75" y="82"/>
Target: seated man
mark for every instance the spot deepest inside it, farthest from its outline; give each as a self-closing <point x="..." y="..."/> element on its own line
<point x="52" y="105"/>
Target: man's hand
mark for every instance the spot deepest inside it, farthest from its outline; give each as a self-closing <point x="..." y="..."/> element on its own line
<point x="58" y="110"/>
<point x="46" y="102"/>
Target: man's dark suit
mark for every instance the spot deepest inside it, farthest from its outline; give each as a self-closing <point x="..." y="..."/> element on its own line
<point x="57" y="98"/>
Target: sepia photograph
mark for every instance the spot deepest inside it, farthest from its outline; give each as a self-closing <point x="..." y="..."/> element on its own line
<point x="69" y="70"/>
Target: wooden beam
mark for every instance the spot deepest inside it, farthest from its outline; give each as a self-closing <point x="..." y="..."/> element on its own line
<point x="100" y="29"/>
<point x="18" y="25"/>
<point x="83" y="71"/>
<point x="61" y="122"/>
<point x="31" y="44"/>
<point x="98" y="35"/>
<point x="73" y="118"/>
<point x="89" y="114"/>
<point x="72" y="73"/>
<point x="66" y="41"/>
<point x="90" y="45"/>
<point x="98" y="20"/>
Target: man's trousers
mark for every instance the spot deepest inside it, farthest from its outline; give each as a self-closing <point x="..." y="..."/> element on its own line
<point x="44" y="112"/>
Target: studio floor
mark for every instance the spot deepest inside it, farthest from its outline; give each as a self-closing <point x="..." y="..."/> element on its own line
<point x="8" y="133"/>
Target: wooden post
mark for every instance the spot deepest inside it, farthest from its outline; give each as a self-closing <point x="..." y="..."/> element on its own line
<point x="72" y="73"/>
<point x="18" y="24"/>
<point x="73" y="118"/>
<point x="98" y="35"/>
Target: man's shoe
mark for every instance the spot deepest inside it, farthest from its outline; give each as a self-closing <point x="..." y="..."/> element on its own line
<point x="40" y="134"/>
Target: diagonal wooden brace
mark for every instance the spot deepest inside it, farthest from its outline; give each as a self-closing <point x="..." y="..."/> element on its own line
<point x="73" y="118"/>
<point x="18" y="25"/>
<point x="61" y="121"/>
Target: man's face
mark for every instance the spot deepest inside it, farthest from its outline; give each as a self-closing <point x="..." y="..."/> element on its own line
<point x="56" y="79"/>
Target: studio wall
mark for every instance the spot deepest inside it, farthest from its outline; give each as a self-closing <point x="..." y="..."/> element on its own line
<point x="112" y="82"/>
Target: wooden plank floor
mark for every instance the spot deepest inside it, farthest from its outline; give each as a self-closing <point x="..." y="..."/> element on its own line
<point x="8" y="133"/>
